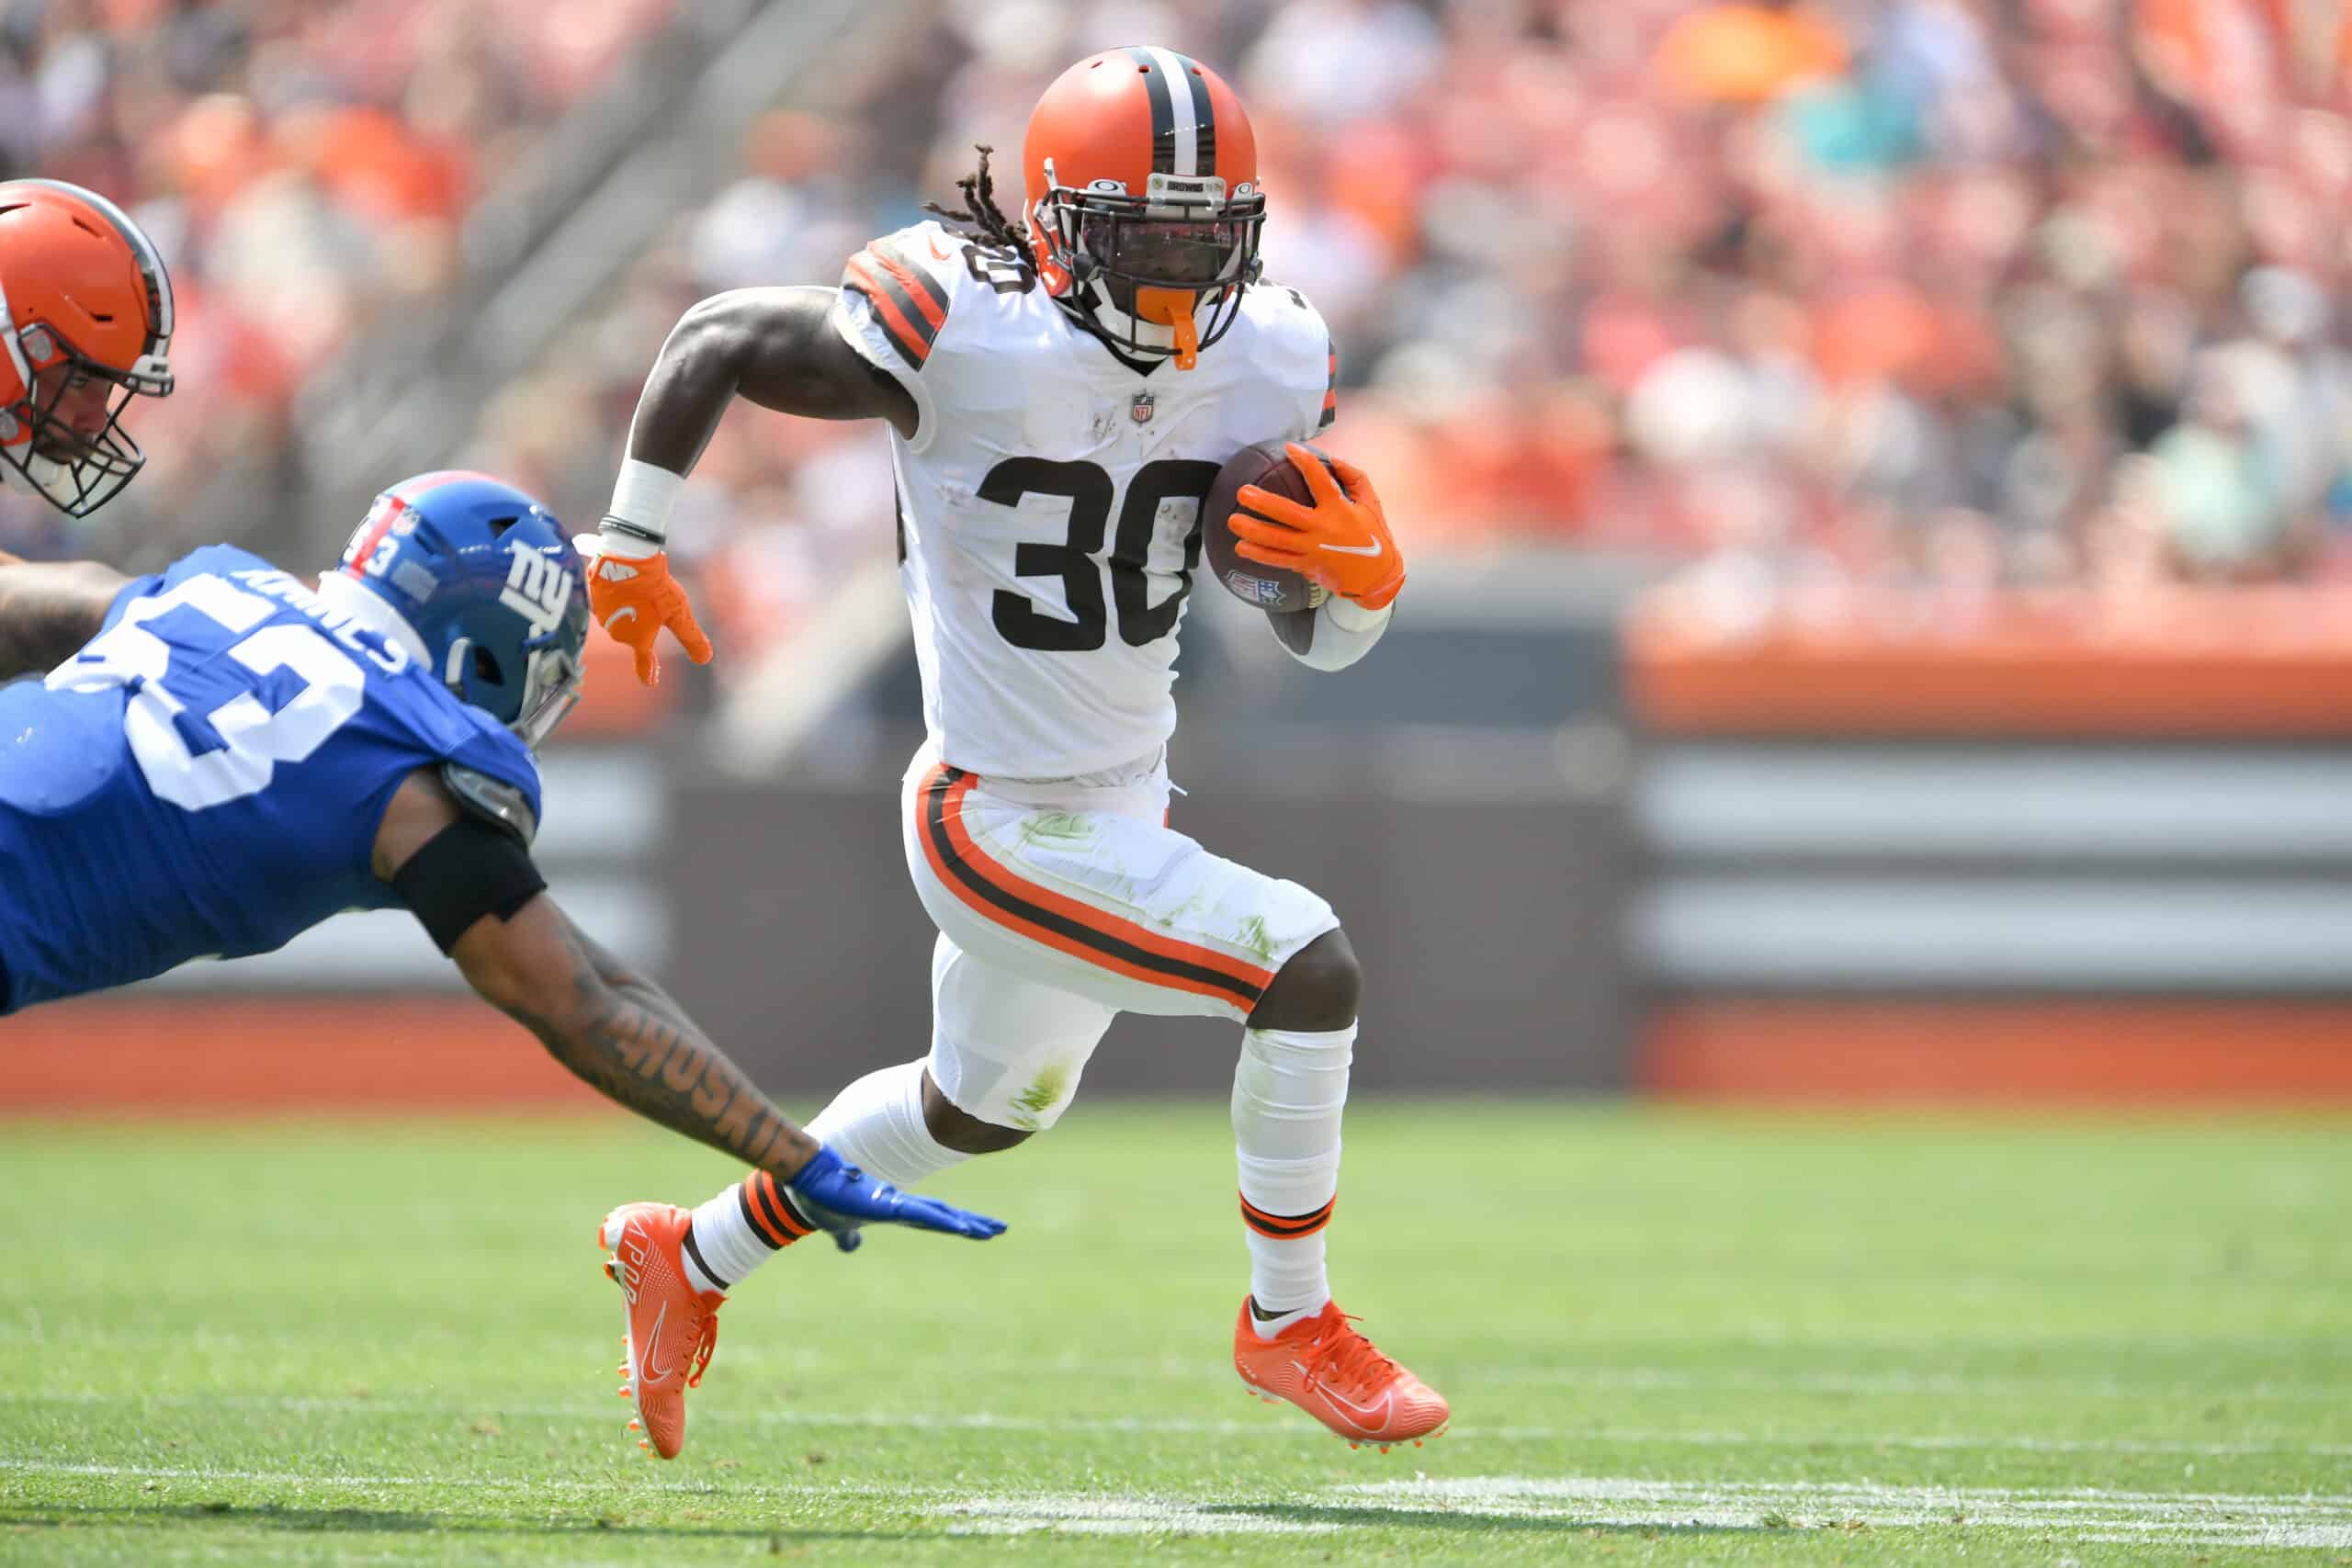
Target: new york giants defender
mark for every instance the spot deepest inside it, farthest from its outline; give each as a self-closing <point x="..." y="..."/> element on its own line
<point x="220" y="757"/>
<point x="1061" y="392"/>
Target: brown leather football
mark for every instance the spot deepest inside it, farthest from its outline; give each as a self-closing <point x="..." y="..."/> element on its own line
<point x="1268" y="467"/>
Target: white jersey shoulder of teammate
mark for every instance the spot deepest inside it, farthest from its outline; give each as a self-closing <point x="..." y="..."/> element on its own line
<point x="1050" y="495"/>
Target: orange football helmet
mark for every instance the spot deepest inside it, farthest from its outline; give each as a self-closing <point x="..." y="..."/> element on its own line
<point x="1143" y="202"/>
<point x="86" y="325"/>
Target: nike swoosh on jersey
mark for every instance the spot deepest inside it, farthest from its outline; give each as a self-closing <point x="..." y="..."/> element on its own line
<point x="937" y="255"/>
<point x="1371" y="549"/>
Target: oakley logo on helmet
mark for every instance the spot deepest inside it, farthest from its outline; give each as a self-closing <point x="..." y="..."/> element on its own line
<point x="537" y="589"/>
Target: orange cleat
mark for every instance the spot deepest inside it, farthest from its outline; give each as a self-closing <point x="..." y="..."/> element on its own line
<point x="1327" y="1369"/>
<point x="671" y="1328"/>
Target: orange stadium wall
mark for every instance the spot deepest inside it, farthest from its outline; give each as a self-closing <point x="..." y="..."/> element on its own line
<point x="2053" y="858"/>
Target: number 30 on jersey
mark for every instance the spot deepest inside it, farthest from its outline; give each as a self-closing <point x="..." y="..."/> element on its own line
<point x="1075" y="561"/>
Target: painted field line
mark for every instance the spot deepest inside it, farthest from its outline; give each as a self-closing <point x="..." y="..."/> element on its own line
<point x="297" y="1477"/>
<point x="1941" y="1385"/>
<point x="610" y="1488"/>
<point x="1273" y="1425"/>
<point x="2085" y="1513"/>
<point x="1609" y="1502"/>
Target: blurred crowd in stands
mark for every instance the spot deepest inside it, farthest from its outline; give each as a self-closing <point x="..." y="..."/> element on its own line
<point x="1968" y="296"/>
<point x="305" y="166"/>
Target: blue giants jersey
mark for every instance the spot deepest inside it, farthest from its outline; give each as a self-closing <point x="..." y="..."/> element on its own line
<point x="208" y="775"/>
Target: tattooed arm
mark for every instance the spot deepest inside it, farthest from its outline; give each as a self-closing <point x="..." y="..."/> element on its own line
<point x="49" y="609"/>
<point x="624" y="1036"/>
<point x="611" y="1027"/>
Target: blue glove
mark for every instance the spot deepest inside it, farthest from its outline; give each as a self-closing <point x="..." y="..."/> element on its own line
<point x="839" y="1197"/>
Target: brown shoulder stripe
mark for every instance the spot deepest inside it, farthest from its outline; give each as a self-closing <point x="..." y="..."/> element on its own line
<point x="910" y="307"/>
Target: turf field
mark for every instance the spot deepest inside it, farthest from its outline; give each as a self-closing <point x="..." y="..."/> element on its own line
<point x="1668" y="1338"/>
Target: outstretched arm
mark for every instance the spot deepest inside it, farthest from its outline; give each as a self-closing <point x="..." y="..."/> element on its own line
<point x="776" y="347"/>
<point x="608" y="1025"/>
<point x="48" y="609"/>
<point x="624" y="1036"/>
<point x="476" y="891"/>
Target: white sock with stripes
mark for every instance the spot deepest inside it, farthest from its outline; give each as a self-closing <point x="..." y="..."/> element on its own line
<point x="877" y="1124"/>
<point x="722" y="1245"/>
<point x="1288" y="1094"/>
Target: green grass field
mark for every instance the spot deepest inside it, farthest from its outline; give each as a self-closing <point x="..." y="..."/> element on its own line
<point x="1668" y="1338"/>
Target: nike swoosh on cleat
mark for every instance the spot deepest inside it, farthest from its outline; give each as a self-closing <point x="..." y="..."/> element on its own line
<point x="652" y="1343"/>
<point x="1368" y="550"/>
<point x="1387" y="1402"/>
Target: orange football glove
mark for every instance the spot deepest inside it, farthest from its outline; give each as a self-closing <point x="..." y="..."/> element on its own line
<point x="1342" y="541"/>
<point x="634" y="598"/>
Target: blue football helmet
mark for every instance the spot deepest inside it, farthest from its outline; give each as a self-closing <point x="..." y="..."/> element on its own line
<point x="488" y="578"/>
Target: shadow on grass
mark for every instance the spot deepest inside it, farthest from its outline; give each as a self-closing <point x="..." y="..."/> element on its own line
<point x="365" y="1521"/>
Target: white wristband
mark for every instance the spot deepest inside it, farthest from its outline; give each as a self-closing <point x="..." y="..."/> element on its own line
<point x="642" y="497"/>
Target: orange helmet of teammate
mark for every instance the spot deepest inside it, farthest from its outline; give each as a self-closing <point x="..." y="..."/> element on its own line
<point x="86" y="325"/>
<point x="1144" y="210"/>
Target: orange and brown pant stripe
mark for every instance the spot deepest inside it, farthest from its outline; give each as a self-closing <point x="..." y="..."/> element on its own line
<point x="1287" y="1228"/>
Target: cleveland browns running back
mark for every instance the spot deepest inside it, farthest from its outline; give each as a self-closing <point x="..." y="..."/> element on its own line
<point x="1062" y="387"/>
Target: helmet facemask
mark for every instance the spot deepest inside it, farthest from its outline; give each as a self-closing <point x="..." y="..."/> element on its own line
<point x="1142" y="268"/>
<point x="47" y="435"/>
<point x="78" y="465"/>
<point x="553" y="679"/>
<point x="552" y="683"/>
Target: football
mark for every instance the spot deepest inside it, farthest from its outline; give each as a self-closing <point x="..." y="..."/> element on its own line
<point x="1268" y="467"/>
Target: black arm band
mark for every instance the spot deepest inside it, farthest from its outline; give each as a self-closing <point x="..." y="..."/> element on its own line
<point x="468" y="870"/>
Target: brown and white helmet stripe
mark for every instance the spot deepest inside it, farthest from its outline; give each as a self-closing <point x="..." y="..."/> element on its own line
<point x="1184" y="121"/>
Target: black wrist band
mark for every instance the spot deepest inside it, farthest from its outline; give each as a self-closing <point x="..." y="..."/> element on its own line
<point x="622" y="525"/>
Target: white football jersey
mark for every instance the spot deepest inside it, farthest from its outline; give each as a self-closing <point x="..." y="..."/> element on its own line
<point x="1049" y="501"/>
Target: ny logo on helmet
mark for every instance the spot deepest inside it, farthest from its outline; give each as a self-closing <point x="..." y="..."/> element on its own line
<point x="537" y="589"/>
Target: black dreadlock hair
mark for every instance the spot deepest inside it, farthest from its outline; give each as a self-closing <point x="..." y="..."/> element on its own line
<point x="980" y="218"/>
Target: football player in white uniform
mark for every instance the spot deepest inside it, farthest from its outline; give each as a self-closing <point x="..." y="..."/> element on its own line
<point x="1062" y="393"/>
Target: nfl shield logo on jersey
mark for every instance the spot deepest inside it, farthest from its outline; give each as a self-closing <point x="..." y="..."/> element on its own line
<point x="1139" y="409"/>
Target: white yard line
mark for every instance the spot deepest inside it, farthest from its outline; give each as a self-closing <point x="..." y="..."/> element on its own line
<point x="1273" y="1425"/>
<point x="2216" y="1519"/>
<point x="615" y="1488"/>
<point x="2081" y="1513"/>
